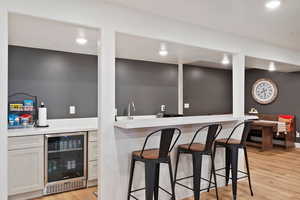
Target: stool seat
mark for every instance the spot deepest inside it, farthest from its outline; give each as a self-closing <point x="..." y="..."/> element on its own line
<point x="194" y="147"/>
<point x="150" y="154"/>
<point x="230" y="141"/>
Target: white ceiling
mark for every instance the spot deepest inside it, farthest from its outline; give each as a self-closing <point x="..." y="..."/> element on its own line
<point x="255" y="63"/>
<point x="247" y="18"/>
<point x="35" y="32"/>
<point x="141" y="48"/>
<point x="46" y="34"/>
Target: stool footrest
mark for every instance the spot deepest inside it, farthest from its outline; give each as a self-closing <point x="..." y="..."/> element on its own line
<point x="187" y="187"/>
<point x="230" y="177"/>
<point x="165" y="190"/>
<point x="180" y="179"/>
<point x="136" y="190"/>
<point x="230" y="169"/>
<point x="133" y="197"/>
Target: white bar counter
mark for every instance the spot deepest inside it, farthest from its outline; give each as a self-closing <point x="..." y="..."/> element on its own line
<point x="131" y="134"/>
<point x="144" y="122"/>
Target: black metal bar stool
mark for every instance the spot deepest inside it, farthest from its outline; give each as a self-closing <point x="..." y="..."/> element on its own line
<point x="152" y="159"/>
<point x="232" y="147"/>
<point x="197" y="151"/>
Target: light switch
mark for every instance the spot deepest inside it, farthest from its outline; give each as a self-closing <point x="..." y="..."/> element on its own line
<point x="72" y="110"/>
<point x="163" y="108"/>
<point x="186" y="105"/>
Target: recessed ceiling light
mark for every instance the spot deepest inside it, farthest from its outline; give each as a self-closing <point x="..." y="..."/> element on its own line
<point x="163" y="50"/>
<point x="81" y="40"/>
<point x="225" y="60"/>
<point x="272" y="67"/>
<point x="273" y="4"/>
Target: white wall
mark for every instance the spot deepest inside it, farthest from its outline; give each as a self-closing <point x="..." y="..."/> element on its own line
<point x="3" y="103"/>
<point x="180" y="88"/>
<point x="109" y="178"/>
<point x="238" y="84"/>
<point x="109" y="19"/>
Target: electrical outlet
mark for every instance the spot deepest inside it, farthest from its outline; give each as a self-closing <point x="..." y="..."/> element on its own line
<point x="72" y="110"/>
<point x="186" y="105"/>
<point x="297" y="134"/>
<point x="163" y="108"/>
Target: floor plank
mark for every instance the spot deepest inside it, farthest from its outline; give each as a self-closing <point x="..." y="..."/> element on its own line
<point x="84" y="194"/>
<point x="275" y="176"/>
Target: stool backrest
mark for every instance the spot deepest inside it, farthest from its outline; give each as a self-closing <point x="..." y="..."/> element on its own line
<point x="247" y="127"/>
<point x="166" y="138"/>
<point x="212" y="133"/>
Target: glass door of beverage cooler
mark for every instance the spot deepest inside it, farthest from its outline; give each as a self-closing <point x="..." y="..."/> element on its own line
<point x="65" y="157"/>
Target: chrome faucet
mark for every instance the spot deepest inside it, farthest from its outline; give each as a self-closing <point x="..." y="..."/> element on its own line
<point x="129" y="110"/>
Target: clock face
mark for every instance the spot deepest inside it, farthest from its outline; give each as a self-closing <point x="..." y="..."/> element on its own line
<point x="264" y="91"/>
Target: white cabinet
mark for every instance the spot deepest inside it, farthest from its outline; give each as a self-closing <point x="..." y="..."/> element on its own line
<point x="92" y="151"/>
<point x="25" y="142"/>
<point x="92" y="156"/>
<point x="25" y="170"/>
<point x="92" y="169"/>
<point x="26" y="164"/>
<point x="92" y="136"/>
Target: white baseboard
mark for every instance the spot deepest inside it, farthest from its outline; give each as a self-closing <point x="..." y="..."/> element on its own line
<point x="25" y="196"/>
<point x="92" y="183"/>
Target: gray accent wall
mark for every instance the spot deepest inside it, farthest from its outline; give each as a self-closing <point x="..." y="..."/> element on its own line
<point x="288" y="101"/>
<point x="207" y="90"/>
<point x="148" y="84"/>
<point x="59" y="79"/>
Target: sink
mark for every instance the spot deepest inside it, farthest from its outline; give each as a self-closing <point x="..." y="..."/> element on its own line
<point x="121" y="118"/>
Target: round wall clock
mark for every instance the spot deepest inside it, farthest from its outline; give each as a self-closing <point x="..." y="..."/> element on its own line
<point x="264" y="91"/>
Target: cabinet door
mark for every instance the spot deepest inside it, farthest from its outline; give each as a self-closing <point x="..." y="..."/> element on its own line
<point x="25" y="170"/>
<point x="92" y="151"/>
<point x="92" y="136"/>
<point x="92" y="170"/>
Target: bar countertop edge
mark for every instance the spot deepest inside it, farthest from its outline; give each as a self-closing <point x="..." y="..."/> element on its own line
<point x="177" y="121"/>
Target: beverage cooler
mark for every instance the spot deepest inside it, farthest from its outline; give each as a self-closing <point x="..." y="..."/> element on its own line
<point x="65" y="162"/>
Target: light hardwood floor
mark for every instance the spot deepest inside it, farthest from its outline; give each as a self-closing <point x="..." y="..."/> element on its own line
<point x="85" y="194"/>
<point x="275" y="176"/>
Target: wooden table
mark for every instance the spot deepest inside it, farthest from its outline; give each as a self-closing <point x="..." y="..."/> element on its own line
<point x="267" y="129"/>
